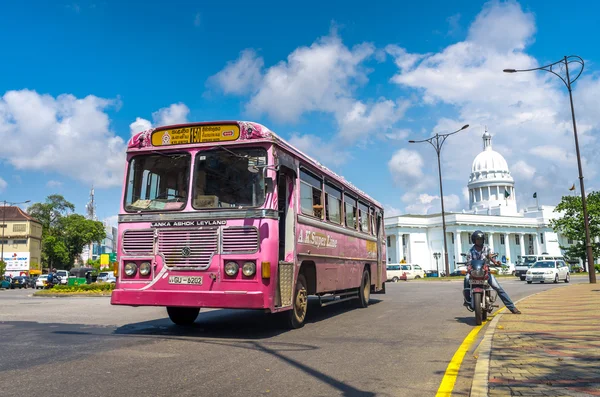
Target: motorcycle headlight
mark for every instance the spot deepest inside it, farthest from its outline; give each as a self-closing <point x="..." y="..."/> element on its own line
<point x="231" y="268"/>
<point x="145" y="268"/>
<point x="130" y="269"/>
<point x="249" y="269"/>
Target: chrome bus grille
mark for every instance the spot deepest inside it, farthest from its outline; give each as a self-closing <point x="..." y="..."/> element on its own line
<point x="138" y="241"/>
<point x="188" y="248"/>
<point x="242" y="239"/>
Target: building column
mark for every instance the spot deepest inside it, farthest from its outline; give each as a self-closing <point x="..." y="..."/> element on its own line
<point x="536" y="244"/>
<point x="522" y="237"/>
<point x="491" y="241"/>
<point x="457" y="248"/>
<point x="399" y="248"/>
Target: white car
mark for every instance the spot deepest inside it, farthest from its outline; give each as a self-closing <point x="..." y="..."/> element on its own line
<point x="548" y="270"/>
<point x="64" y="276"/>
<point x="106" y="277"/>
<point x="41" y="281"/>
<point x="410" y="272"/>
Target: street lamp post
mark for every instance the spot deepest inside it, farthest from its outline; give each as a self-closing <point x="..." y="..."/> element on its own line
<point x="4" y="202"/>
<point x="437" y="141"/>
<point x="568" y="81"/>
<point x="437" y="256"/>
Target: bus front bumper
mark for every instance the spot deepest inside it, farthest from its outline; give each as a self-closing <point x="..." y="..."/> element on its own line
<point x="212" y="299"/>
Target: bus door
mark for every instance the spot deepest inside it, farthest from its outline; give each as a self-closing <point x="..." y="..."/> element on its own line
<point x="287" y="254"/>
<point x="380" y="239"/>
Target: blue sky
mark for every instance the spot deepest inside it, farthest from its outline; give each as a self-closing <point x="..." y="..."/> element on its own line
<point x="347" y="83"/>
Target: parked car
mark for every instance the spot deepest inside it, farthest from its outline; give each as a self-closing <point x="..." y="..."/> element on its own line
<point x="109" y="277"/>
<point x="410" y="272"/>
<point x="18" y="282"/>
<point x="41" y="281"/>
<point x="548" y="270"/>
<point x="5" y="283"/>
<point x="63" y="276"/>
<point x="394" y="272"/>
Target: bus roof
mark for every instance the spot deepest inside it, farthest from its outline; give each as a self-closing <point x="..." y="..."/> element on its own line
<point x="225" y="132"/>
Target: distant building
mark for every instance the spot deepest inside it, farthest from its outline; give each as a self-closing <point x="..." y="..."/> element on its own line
<point x="106" y="246"/>
<point x="21" y="244"/>
<point x="493" y="210"/>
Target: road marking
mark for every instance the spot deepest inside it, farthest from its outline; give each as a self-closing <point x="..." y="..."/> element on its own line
<point x="451" y="373"/>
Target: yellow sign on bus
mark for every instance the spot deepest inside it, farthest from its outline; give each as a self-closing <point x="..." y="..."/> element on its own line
<point x="196" y="134"/>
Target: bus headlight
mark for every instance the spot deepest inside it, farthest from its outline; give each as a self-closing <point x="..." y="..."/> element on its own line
<point x="145" y="268"/>
<point x="249" y="269"/>
<point x="130" y="269"/>
<point x="231" y="268"/>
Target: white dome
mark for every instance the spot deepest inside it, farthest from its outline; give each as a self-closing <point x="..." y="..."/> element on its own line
<point x="490" y="161"/>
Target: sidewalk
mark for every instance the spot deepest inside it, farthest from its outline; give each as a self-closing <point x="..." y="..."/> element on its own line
<point x="552" y="349"/>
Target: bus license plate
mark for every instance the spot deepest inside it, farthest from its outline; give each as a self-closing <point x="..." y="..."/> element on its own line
<point x="185" y="280"/>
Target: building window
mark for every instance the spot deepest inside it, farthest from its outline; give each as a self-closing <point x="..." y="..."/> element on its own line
<point x="452" y="235"/>
<point x="18" y="242"/>
<point x="502" y="239"/>
<point x="389" y="241"/>
<point x="2" y="226"/>
<point x="517" y="239"/>
<point x="19" y="227"/>
<point x="570" y="241"/>
<point x="542" y="238"/>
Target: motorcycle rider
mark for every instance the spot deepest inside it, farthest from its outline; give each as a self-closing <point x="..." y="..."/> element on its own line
<point x="480" y="251"/>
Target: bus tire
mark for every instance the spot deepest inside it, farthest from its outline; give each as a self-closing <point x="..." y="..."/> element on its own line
<point x="297" y="316"/>
<point x="364" y="292"/>
<point x="183" y="315"/>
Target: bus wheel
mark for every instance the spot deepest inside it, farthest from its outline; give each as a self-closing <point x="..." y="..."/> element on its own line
<point x="297" y="315"/>
<point x="183" y="315"/>
<point x="364" y="292"/>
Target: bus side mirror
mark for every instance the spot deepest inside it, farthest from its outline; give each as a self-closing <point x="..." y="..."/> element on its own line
<point x="269" y="185"/>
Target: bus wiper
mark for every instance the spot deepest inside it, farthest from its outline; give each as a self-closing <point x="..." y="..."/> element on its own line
<point x="171" y="156"/>
<point x="231" y="152"/>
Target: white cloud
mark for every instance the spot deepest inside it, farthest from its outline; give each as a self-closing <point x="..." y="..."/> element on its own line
<point x="176" y="113"/>
<point x="522" y="171"/>
<point x="241" y="76"/>
<point x="139" y="125"/>
<point x="66" y="134"/>
<point x="320" y="78"/>
<point x="406" y="168"/>
<point x="329" y="154"/>
<point x="111" y="220"/>
<point x="427" y="204"/>
<point x="3" y="185"/>
<point x="398" y="134"/>
<point x="390" y="210"/>
<point x="528" y="114"/>
<point x="53" y="183"/>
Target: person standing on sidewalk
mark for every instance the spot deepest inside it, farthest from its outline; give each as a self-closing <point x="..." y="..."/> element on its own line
<point x="480" y="251"/>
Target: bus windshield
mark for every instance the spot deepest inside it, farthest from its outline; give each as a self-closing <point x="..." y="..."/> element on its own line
<point x="158" y="182"/>
<point x="229" y="178"/>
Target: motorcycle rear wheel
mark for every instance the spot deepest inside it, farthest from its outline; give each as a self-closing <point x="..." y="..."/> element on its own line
<point x="478" y="310"/>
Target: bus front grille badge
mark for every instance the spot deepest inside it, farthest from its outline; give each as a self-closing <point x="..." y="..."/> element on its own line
<point x="186" y="252"/>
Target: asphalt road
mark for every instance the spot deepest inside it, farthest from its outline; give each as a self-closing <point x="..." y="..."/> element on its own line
<point x="399" y="346"/>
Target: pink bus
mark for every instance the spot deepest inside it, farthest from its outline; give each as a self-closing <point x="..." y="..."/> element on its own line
<point x="228" y="215"/>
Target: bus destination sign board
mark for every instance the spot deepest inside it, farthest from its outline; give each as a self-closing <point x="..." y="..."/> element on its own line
<point x="196" y="134"/>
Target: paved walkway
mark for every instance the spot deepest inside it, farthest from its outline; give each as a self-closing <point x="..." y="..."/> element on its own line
<point x="552" y="349"/>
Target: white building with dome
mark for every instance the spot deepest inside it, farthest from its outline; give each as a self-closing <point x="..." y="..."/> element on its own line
<point x="492" y="209"/>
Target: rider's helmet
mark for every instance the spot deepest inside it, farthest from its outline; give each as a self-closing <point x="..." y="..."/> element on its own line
<point x="477" y="234"/>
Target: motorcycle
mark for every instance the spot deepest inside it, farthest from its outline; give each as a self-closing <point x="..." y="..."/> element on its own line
<point x="482" y="294"/>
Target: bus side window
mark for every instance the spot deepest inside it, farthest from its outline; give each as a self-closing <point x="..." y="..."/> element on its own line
<point x="311" y="193"/>
<point x="363" y="216"/>
<point x="333" y="198"/>
<point x="350" y="211"/>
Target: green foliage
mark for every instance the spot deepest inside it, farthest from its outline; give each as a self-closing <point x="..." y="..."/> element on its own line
<point x="571" y="224"/>
<point x="64" y="235"/>
<point x="2" y="268"/>
<point x="96" y="287"/>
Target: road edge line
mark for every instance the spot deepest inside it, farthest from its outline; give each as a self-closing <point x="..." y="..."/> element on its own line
<point x="479" y="386"/>
<point x="449" y="379"/>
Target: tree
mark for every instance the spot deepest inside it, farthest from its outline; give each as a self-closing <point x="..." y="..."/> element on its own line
<point x="50" y="212"/>
<point x="77" y="232"/>
<point x="2" y="268"/>
<point x="571" y="224"/>
<point x="54" y="251"/>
